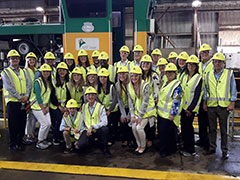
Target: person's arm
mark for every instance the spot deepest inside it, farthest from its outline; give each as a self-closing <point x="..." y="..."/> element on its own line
<point x="177" y="96"/>
<point x="156" y="86"/>
<point x="114" y="99"/>
<point x="63" y="125"/>
<point x="145" y="101"/>
<point x="37" y="91"/>
<point x="7" y="84"/>
<point x="102" y="121"/>
<point x="196" y="97"/>
<point x="233" y="89"/>
<point x="28" y="84"/>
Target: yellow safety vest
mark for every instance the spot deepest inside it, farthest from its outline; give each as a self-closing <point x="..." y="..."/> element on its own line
<point x="18" y="82"/>
<point x="44" y="93"/>
<point x="124" y="96"/>
<point x="151" y="110"/>
<point x="165" y="101"/>
<point x="132" y="63"/>
<point x="84" y="71"/>
<point x="76" y="125"/>
<point x="30" y="74"/>
<point x="93" y="67"/>
<point x="180" y="76"/>
<point x="106" y="99"/>
<point x="111" y="70"/>
<point x="150" y="81"/>
<point x="91" y="119"/>
<point x="189" y="88"/>
<point x="209" y="67"/>
<point x="218" y="92"/>
<point x="75" y="93"/>
<point x="118" y="64"/>
<point x="61" y="94"/>
<point x="163" y="80"/>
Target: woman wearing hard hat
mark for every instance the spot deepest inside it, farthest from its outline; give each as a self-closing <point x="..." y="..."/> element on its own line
<point x="83" y="62"/>
<point x="30" y="69"/>
<point x="61" y="96"/>
<point x="172" y="57"/>
<point x="192" y="93"/>
<point x="75" y="86"/>
<point x="156" y="55"/>
<point x="121" y="86"/>
<point x="137" y="52"/>
<point x="162" y="62"/>
<point x="107" y="95"/>
<point x="141" y="105"/>
<point x="96" y="64"/>
<point x="70" y="61"/>
<point x="152" y="78"/>
<point x="40" y="99"/>
<point x="181" y="64"/>
<point x="92" y="80"/>
<point x="169" y="109"/>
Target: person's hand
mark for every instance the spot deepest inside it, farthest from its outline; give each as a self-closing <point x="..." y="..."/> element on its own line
<point x="133" y="119"/>
<point x="65" y="114"/>
<point x="139" y="120"/>
<point x="231" y="106"/>
<point x="75" y="130"/>
<point x="171" y="118"/>
<point x="204" y="106"/>
<point x="108" y="112"/>
<point x="89" y="131"/>
<point x="61" y="109"/>
<point x="188" y="113"/>
<point x="24" y="99"/>
<point x="44" y="111"/>
<point x="123" y="120"/>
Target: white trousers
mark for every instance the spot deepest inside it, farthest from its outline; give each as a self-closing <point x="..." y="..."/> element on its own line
<point x="44" y="122"/>
<point x="139" y="133"/>
<point x="30" y="124"/>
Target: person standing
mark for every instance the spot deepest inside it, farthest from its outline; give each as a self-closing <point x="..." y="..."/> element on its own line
<point x="124" y="53"/>
<point x="220" y="95"/>
<point x="96" y="64"/>
<point x="138" y="53"/>
<point x="172" y="58"/>
<point x="16" y="90"/>
<point x="181" y="64"/>
<point x="83" y="62"/>
<point x="156" y="55"/>
<point x="70" y="61"/>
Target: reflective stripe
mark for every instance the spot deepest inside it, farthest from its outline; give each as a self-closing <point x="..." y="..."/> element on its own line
<point x="162" y="109"/>
<point x="228" y="84"/>
<point x="207" y="78"/>
<point x="150" y="109"/>
<point x="113" y="78"/>
<point x="193" y="89"/>
<point x="67" y="122"/>
<point x="99" y="112"/>
<point x="218" y="99"/>
<point x="10" y="77"/>
<point x="169" y="93"/>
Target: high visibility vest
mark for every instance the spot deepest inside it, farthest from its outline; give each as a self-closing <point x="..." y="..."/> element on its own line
<point x="75" y="93"/>
<point x="30" y="74"/>
<point x="93" y="67"/>
<point x="84" y="71"/>
<point x="218" y="92"/>
<point x="209" y="67"/>
<point x="106" y="99"/>
<point x="76" y="125"/>
<point x="122" y="91"/>
<point x="61" y="95"/>
<point x="45" y="94"/>
<point x="150" y="81"/>
<point x="118" y="64"/>
<point x="158" y="71"/>
<point x="189" y="88"/>
<point x="151" y="110"/>
<point x="94" y="118"/>
<point x="111" y="70"/>
<point x="132" y="63"/>
<point x="165" y="101"/>
<point x="180" y="76"/>
<point x="163" y="80"/>
<point x="19" y="84"/>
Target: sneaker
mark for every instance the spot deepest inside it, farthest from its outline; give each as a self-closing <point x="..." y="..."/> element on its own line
<point x="225" y="156"/>
<point x="68" y="150"/>
<point x="47" y="142"/>
<point x="187" y="154"/>
<point x="30" y="140"/>
<point x="56" y="142"/>
<point x="41" y="145"/>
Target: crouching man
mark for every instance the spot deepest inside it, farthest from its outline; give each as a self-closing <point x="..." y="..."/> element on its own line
<point x="71" y="126"/>
<point x="95" y="120"/>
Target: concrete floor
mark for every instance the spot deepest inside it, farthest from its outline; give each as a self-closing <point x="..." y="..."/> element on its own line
<point x="124" y="158"/>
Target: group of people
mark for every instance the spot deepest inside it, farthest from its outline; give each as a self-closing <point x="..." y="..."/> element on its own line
<point x="136" y="101"/>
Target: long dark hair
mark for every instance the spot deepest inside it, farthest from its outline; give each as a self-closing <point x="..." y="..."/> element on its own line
<point x="80" y="63"/>
<point x="149" y="74"/>
<point x="109" y="83"/>
<point x="72" y="66"/>
<point x="58" y="82"/>
<point x="196" y="70"/>
<point x="49" y="79"/>
<point x="80" y="86"/>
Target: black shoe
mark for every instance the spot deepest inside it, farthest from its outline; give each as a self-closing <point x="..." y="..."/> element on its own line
<point x="209" y="152"/>
<point x="56" y="142"/>
<point x="225" y="155"/>
<point x="199" y="143"/>
<point x="68" y="150"/>
<point x="107" y="153"/>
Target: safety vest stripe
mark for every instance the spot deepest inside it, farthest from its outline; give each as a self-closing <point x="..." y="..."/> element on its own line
<point x="169" y="93"/>
<point x="228" y="84"/>
<point x="113" y="79"/>
<point x="193" y="89"/>
<point x="67" y="122"/>
<point x="218" y="99"/>
<point x="150" y="109"/>
<point x="207" y="77"/>
<point x="10" y="77"/>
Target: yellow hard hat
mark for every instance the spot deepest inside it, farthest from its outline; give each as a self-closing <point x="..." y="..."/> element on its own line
<point x="171" y="67"/>
<point x="49" y="55"/>
<point x="77" y="70"/>
<point x="31" y="55"/>
<point x="172" y="55"/>
<point x="192" y="59"/>
<point x="13" y="52"/>
<point x="146" y="58"/>
<point x="156" y="52"/>
<point x="103" y="72"/>
<point x="162" y="61"/>
<point x="62" y="65"/>
<point x="137" y="48"/>
<point x="205" y="47"/>
<point x="45" y="67"/>
<point x="72" y="104"/>
<point x="123" y="69"/>
<point x="69" y="56"/>
<point x="183" y="55"/>
<point x="95" y="53"/>
<point x="124" y="48"/>
<point x="82" y="52"/>
<point x="103" y="56"/>
<point x="136" y="70"/>
<point x="91" y="72"/>
<point x="90" y="90"/>
<point x="219" y="56"/>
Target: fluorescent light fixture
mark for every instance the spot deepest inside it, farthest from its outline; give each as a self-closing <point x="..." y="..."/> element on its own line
<point x="40" y="9"/>
<point x="196" y="4"/>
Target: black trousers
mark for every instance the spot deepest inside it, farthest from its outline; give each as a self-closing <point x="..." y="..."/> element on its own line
<point x="150" y="132"/>
<point x="187" y="132"/>
<point x="126" y="131"/>
<point x="203" y="125"/>
<point x="167" y="137"/>
<point x="85" y="141"/>
<point x="16" y="122"/>
<point x="113" y="119"/>
<point x="56" y="119"/>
